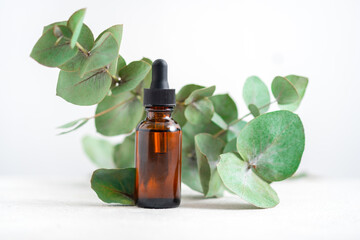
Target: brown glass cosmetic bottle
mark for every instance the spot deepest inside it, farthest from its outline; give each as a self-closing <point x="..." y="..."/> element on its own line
<point x="158" y="146"/>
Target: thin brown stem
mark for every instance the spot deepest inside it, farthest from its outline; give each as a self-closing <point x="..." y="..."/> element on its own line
<point x="82" y="49"/>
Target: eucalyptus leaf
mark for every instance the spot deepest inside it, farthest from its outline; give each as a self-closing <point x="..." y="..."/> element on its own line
<point x="53" y="48"/>
<point x="120" y="64"/>
<point x="255" y="92"/>
<point x="230" y="146"/>
<point x="300" y="84"/>
<point x="284" y="91"/>
<point x="185" y="91"/>
<point x="179" y="115"/>
<point x="217" y="119"/>
<point x="86" y="39"/>
<point x="200" y="94"/>
<point x="116" y="31"/>
<point x="208" y="150"/>
<point x="118" y="114"/>
<point x="148" y="77"/>
<point x="61" y="23"/>
<point x="104" y="52"/>
<point x="241" y="180"/>
<point x="99" y="151"/>
<point x="254" y="110"/>
<point x="75" y="23"/>
<point x="124" y="153"/>
<point x="87" y="90"/>
<point x="199" y="112"/>
<point x="273" y="144"/>
<point x="225" y="106"/>
<point x="114" y="185"/>
<point x="190" y="173"/>
<point x="131" y="76"/>
<point x="75" y="124"/>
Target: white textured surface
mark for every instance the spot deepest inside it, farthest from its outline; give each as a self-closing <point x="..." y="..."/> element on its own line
<point x="58" y="208"/>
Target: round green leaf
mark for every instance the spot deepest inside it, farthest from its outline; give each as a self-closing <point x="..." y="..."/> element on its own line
<point x="75" y="24"/>
<point x="53" y="48"/>
<point x="230" y="146"/>
<point x="273" y="144"/>
<point x="124" y="153"/>
<point x="200" y="94"/>
<point x="217" y="119"/>
<point x="86" y="39"/>
<point x="99" y="151"/>
<point x="122" y="114"/>
<point x="254" y="110"/>
<point x="284" y="91"/>
<point x="225" y="106"/>
<point x="185" y="91"/>
<point x="241" y="180"/>
<point x="87" y="90"/>
<point x="208" y="150"/>
<point x="256" y="92"/>
<point x="148" y="77"/>
<point x="199" y="112"/>
<point x="300" y="84"/>
<point x="114" y="185"/>
<point x="131" y="75"/>
<point x="104" y="52"/>
<point x="116" y="31"/>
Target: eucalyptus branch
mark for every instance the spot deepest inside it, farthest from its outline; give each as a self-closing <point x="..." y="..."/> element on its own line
<point x="240" y="119"/>
<point x="113" y="77"/>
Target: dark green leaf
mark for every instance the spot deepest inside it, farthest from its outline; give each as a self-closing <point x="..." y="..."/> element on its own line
<point x="99" y="151"/>
<point x="199" y="112"/>
<point x="273" y="144"/>
<point x="225" y="106"/>
<point x="254" y="110"/>
<point x="185" y="92"/>
<point x="122" y="114"/>
<point x="124" y="154"/>
<point x="104" y="52"/>
<point x="208" y="150"/>
<point x="284" y="91"/>
<point x="241" y="180"/>
<point x="300" y="84"/>
<point x="87" y="90"/>
<point x="255" y="92"/>
<point x="114" y="185"/>
<point x="75" y="24"/>
<point x="53" y="51"/>
<point x="131" y="75"/>
<point x="200" y="94"/>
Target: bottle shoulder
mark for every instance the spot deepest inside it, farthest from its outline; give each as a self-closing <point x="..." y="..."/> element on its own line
<point x="168" y="126"/>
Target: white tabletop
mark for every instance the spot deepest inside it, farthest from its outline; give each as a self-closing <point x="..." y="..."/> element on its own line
<point x="66" y="208"/>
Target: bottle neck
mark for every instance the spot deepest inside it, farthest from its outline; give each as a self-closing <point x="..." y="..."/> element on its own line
<point x="158" y="114"/>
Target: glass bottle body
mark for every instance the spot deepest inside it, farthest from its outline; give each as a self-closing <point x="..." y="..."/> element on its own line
<point x="158" y="160"/>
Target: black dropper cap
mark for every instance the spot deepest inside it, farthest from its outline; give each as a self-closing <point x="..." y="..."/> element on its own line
<point x="159" y="93"/>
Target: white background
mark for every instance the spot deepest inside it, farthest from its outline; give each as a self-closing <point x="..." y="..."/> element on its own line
<point x="204" y="42"/>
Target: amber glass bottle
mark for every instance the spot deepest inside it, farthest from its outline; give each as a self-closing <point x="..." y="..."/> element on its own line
<point x="158" y="146"/>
